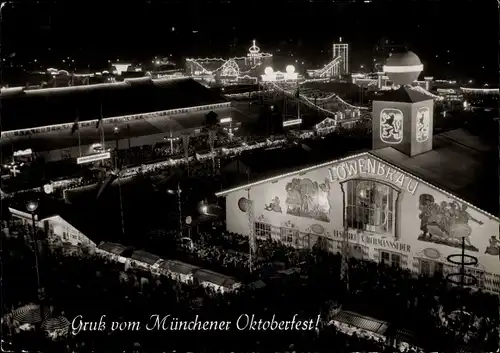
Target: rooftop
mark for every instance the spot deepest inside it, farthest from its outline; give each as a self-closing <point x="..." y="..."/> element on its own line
<point x="179" y="267"/>
<point x="44" y="107"/>
<point x="53" y="140"/>
<point x="97" y="226"/>
<point x="145" y="257"/>
<point x="214" y="277"/>
<point x="404" y="95"/>
<point x="460" y="163"/>
<point x="115" y="248"/>
<point x="268" y="162"/>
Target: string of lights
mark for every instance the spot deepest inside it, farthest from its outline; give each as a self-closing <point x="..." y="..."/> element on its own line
<point x="226" y="61"/>
<point x="254" y="55"/>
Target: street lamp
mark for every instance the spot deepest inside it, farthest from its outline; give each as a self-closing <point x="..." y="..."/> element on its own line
<point x="178" y="192"/>
<point x="116" y="132"/>
<point x="31" y="207"/>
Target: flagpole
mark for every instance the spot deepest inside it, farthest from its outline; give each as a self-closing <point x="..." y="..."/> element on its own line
<point x="79" y="142"/>
<point x="121" y="204"/>
<point x="128" y="134"/>
<point x="251" y="235"/>
<point x="101" y="126"/>
<point x="76" y="127"/>
<point x="103" y="142"/>
<point x="171" y="142"/>
<point x="298" y="102"/>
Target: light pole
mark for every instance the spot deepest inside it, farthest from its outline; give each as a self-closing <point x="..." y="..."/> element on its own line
<point x="31" y="207"/>
<point x="116" y="131"/>
<point x="178" y="192"/>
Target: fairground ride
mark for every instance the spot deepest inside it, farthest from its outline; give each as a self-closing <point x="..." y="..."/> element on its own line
<point x="337" y="67"/>
<point x="330" y="70"/>
<point x="230" y="71"/>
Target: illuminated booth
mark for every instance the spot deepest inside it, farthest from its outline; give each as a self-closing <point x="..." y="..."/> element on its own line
<point x="273" y="76"/>
<point x="395" y="204"/>
<point x="326" y="126"/>
<point x="232" y="70"/>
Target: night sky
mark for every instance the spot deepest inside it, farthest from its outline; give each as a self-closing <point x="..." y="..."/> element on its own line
<point x="462" y="34"/>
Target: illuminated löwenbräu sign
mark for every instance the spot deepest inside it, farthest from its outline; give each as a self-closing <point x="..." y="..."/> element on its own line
<point x="366" y="167"/>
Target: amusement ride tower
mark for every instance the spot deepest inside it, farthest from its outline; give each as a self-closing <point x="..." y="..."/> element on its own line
<point x="254" y="53"/>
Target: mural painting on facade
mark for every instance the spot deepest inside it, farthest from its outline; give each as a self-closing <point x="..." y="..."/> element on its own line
<point x="262" y="219"/>
<point x="391" y="125"/>
<point x="288" y="224"/>
<point x="307" y="198"/>
<point x="445" y="223"/>
<point x="494" y="247"/>
<point x="423" y="124"/>
<point x="274" y="205"/>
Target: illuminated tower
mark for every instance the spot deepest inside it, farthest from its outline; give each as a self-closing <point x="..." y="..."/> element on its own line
<point x="403" y="117"/>
<point x="342" y="50"/>
<point x="254" y="53"/>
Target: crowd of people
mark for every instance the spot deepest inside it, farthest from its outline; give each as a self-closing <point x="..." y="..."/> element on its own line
<point x="149" y="153"/>
<point x="94" y="286"/>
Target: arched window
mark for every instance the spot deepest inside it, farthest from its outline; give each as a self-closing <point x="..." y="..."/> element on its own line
<point x="370" y="206"/>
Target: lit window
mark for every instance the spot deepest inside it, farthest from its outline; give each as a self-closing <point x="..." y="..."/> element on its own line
<point x="262" y="230"/>
<point x="390" y="258"/>
<point x="425" y="267"/>
<point x="370" y="206"/>
<point x="288" y="235"/>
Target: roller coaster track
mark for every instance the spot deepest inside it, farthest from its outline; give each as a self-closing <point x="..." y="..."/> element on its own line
<point x="332" y="96"/>
<point x="306" y="100"/>
<point x="329" y="69"/>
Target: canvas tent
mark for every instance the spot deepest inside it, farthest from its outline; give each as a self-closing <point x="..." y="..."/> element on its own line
<point x="350" y="322"/>
<point x="118" y="251"/>
<point x="178" y="270"/>
<point x="143" y="258"/>
<point x="216" y="280"/>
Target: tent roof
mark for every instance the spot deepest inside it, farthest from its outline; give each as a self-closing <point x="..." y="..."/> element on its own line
<point x="145" y="257"/>
<point x="362" y="322"/>
<point x="178" y="267"/>
<point x="214" y="277"/>
<point x="115" y="248"/>
<point x="51" y="106"/>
